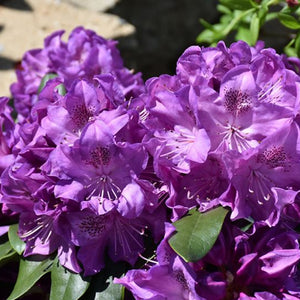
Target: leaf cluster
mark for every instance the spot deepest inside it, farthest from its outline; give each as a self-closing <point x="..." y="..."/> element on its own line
<point x="246" y="19"/>
<point x="65" y="285"/>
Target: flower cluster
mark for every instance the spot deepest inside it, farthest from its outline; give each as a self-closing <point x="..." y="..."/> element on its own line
<point x="98" y="161"/>
<point x="225" y="131"/>
<point x="75" y="173"/>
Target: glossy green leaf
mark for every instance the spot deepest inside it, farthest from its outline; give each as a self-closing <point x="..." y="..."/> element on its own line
<point x="30" y="271"/>
<point x="206" y="24"/>
<point x="254" y="29"/>
<point x="112" y="292"/>
<point x="45" y="79"/>
<point x="66" y="285"/>
<point x="102" y="286"/>
<point x="6" y="252"/>
<point x="289" y="21"/>
<point x="17" y="244"/>
<point x="247" y="227"/>
<point x="197" y="232"/>
<point x="239" y="4"/>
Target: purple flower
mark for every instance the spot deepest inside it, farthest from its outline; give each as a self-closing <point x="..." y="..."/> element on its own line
<point x="243" y="115"/>
<point x="240" y="264"/>
<point x="178" y="278"/>
<point x="264" y="177"/>
<point x="206" y="186"/>
<point x="7" y="138"/>
<point x="43" y="228"/>
<point x="97" y="165"/>
<point x="84" y="55"/>
<point x="212" y="63"/>
<point x="122" y="237"/>
<point x="175" y="138"/>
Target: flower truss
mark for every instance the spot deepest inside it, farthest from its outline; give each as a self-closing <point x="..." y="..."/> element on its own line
<point x="96" y="164"/>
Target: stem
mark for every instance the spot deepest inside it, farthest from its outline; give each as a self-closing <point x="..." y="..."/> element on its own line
<point x="237" y="19"/>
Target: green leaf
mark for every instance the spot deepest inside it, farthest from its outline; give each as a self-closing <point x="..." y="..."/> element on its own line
<point x="6" y="253"/>
<point x="243" y="34"/>
<point x="30" y="271"/>
<point x="289" y="21"/>
<point x="17" y="244"/>
<point x="197" y="232"/>
<point x="45" y="79"/>
<point x="223" y="9"/>
<point x="206" y="24"/>
<point x="246" y="227"/>
<point x="102" y="286"/>
<point x="271" y="16"/>
<point x="239" y="4"/>
<point x="236" y="19"/>
<point x="289" y="51"/>
<point x="209" y="36"/>
<point x="254" y="29"/>
<point x="66" y="285"/>
<point x="263" y="13"/>
<point x="297" y="44"/>
<point x="112" y="292"/>
<point x="61" y="89"/>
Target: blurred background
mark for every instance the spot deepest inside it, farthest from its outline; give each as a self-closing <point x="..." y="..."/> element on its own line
<point x="151" y="33"/>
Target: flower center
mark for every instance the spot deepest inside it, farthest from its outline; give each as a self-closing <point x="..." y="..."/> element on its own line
<point x="81" y="115"/>
<point x="93" y="225"/>
<point x="236" y="101"/>
<point x="104" y="188"/>
<point x="234" y="139"/>
<point x="179" y="277"/>
<point x="100" y="156"/>
<point x="274" y="157"/>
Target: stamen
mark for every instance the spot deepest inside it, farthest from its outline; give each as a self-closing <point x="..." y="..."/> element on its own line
<point x="259" y="187"/>
<point x="42" y="230"/>
<point x="104" y="188"/>
<point x="178" y="143"/>
<point x="31" y="232"/>
<point x="144" y="114"/>
<point x="270" y="93"/>
<point x="234" y="139"/>
<point x="148" y="260"/>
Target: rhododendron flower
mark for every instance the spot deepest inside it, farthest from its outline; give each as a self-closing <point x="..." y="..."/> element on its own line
<point x="257" y="174"/>
<point x="97" y="163"/>
<point x="178" y="277"/>
<point x="83" y="56"/>
<point x="237" y="266"/>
